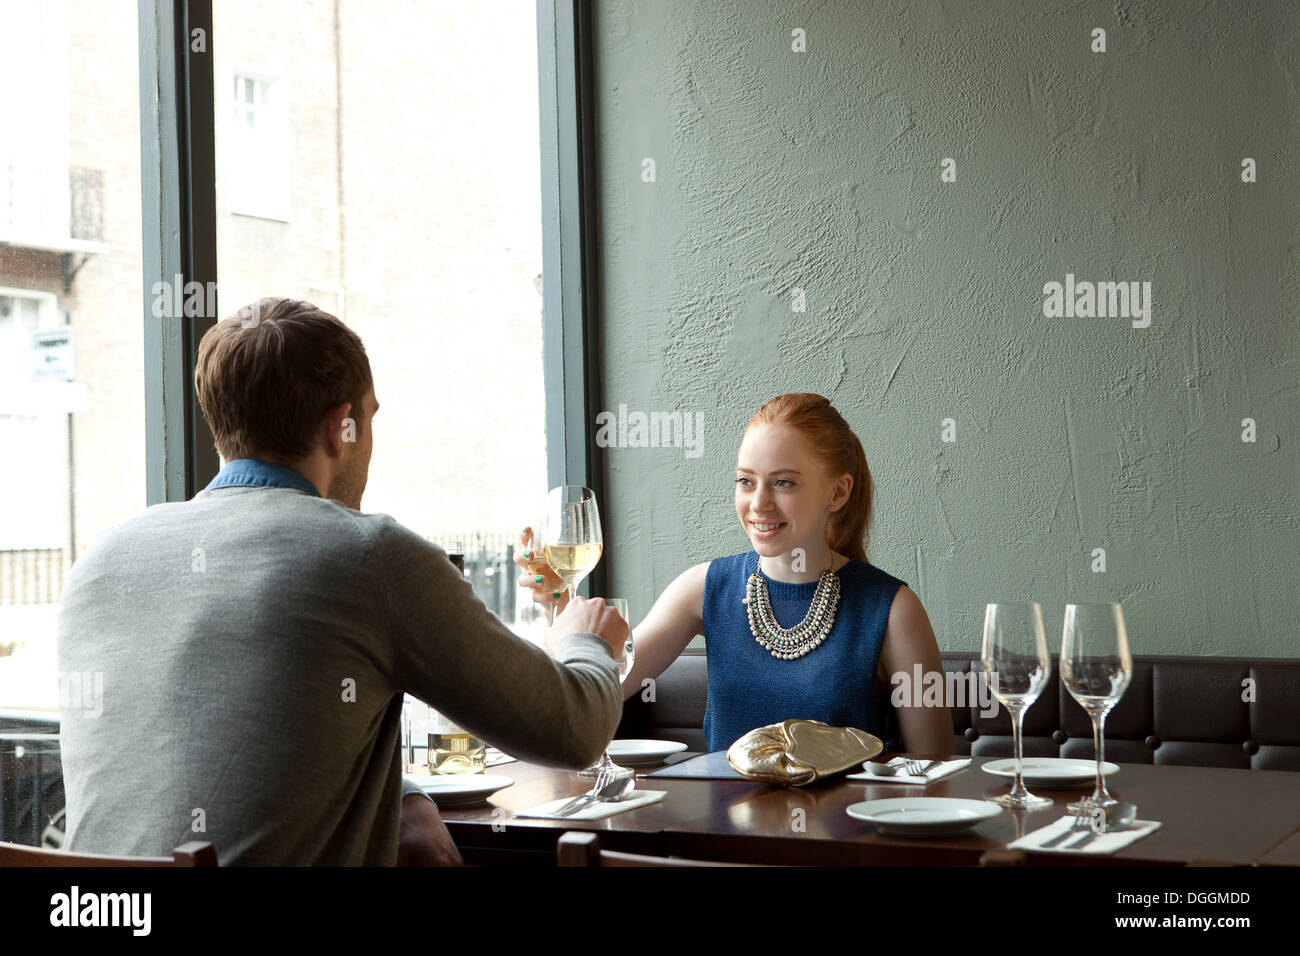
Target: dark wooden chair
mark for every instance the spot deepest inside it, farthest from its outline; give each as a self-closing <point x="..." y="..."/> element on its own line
<point x="1017" y="858"/>
<point x="578" y="848"/>
<point x="196" y="853"/>
<point x="1002" y="858"/>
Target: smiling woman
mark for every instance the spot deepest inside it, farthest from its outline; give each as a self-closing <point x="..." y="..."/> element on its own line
<point x="802" y="625"/>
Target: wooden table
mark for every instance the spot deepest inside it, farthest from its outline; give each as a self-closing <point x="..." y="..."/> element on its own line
<point x="1209" y="815"/>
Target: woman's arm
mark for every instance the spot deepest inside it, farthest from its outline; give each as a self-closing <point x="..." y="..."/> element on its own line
<point x="909" y="639"/>
<point x="676" y="617"/>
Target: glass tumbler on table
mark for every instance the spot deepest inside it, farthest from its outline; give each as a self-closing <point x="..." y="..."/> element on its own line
<point x="453" y="749"/>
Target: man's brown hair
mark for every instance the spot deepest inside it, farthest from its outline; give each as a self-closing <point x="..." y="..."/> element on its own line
<point x="267" y="375"/>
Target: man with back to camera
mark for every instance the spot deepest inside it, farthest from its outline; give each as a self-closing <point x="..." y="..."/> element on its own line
<point x="253" y="644"/>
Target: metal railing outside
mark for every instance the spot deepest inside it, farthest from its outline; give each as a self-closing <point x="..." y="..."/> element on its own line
<point x="86" y="206"/>
<point x="31" y="789"/>
<point x="490" y="567"/>
<point x="32" y="576"/>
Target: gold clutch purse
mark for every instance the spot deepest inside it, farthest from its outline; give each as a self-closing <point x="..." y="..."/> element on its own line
<point x="797" y="752"/>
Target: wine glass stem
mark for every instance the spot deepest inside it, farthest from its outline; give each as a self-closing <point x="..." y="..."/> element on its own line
<point x="1099" y="746"/>
<point x="1017" y="717"/>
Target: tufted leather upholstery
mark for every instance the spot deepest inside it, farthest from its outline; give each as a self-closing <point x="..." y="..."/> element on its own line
<point x="1177" y="710"/>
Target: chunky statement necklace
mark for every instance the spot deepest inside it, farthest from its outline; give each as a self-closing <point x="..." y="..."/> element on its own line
<point x="788" y="644"/>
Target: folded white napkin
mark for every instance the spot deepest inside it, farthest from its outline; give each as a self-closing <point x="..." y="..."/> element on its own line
<point x="493" y="757"/>
<point x="598" y="810"/>
<point x="1101" y="843"/>
<point x="944" y="769"/>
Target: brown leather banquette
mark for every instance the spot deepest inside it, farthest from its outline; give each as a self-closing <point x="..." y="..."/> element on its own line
<point x="1177" y="710"/>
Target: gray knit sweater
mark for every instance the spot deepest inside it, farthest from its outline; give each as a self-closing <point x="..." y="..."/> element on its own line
<point x="232" y="670"/>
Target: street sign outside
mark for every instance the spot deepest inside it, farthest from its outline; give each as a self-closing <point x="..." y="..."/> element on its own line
<point x="53" y="355"/>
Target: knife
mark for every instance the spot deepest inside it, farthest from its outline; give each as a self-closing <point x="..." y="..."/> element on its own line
<point x="1092" y="835"/>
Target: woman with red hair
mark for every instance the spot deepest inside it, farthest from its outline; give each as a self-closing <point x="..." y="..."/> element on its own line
<point x="802" y="625"/>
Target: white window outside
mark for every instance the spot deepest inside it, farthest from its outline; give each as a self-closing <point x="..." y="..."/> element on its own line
<point x="34" y="207"/>
<point x="38" y="475"/>
<point x="257" y="150"/>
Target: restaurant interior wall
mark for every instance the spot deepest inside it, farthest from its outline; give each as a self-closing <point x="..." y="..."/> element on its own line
<point x="736" y="169"/>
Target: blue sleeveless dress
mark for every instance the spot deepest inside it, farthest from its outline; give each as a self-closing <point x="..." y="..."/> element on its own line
<point x="835" y="683"/>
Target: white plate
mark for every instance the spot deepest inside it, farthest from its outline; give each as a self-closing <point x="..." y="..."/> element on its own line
<point x="453" y="790"/>
<point x="1050" y="771"/>
<point x="642" y="753"/>
<point x="924" y="816"/>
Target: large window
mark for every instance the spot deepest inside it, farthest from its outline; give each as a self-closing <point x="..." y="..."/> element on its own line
<point x="412" y="178"/>
<point x="390" y="181"/>
<point x="397" y="189"/>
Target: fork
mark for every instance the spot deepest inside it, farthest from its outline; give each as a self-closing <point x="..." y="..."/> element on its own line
<point x="919" y="768"/>
<point x="577" y="803"/>
<point x="1081" y="822"/>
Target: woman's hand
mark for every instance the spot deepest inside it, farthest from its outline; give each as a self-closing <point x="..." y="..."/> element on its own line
<point x="538" y="576"/>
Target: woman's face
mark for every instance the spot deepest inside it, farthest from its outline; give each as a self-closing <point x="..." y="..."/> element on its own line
<point x="784" y="495"/>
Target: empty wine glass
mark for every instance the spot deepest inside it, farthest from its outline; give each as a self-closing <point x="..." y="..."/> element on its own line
<point x="625" y="663"/>
<point x="628" y="658"/>
<point x="1014" y="656"/>
<point x="1096" y="669"/>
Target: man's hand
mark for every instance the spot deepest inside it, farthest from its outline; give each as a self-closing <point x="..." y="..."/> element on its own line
<point x="423" y="839"/>
<point x="591" y="616"/>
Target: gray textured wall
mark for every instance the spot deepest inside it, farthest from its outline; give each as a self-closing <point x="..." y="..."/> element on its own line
<point x="924" y="299"/>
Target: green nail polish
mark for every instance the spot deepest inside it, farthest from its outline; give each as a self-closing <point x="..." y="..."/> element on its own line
<point x="556" y="594"/>
<point x="538" y="579"/>
<point x="528" y="554"/>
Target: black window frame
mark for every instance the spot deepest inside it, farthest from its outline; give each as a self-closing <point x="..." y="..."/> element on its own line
<point x="178" y="222"/>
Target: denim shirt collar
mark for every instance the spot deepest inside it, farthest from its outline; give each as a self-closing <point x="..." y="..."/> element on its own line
<point x="255" y="473"/>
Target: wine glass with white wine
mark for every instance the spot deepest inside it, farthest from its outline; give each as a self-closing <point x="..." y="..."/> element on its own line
<point x="571" y="538"/>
